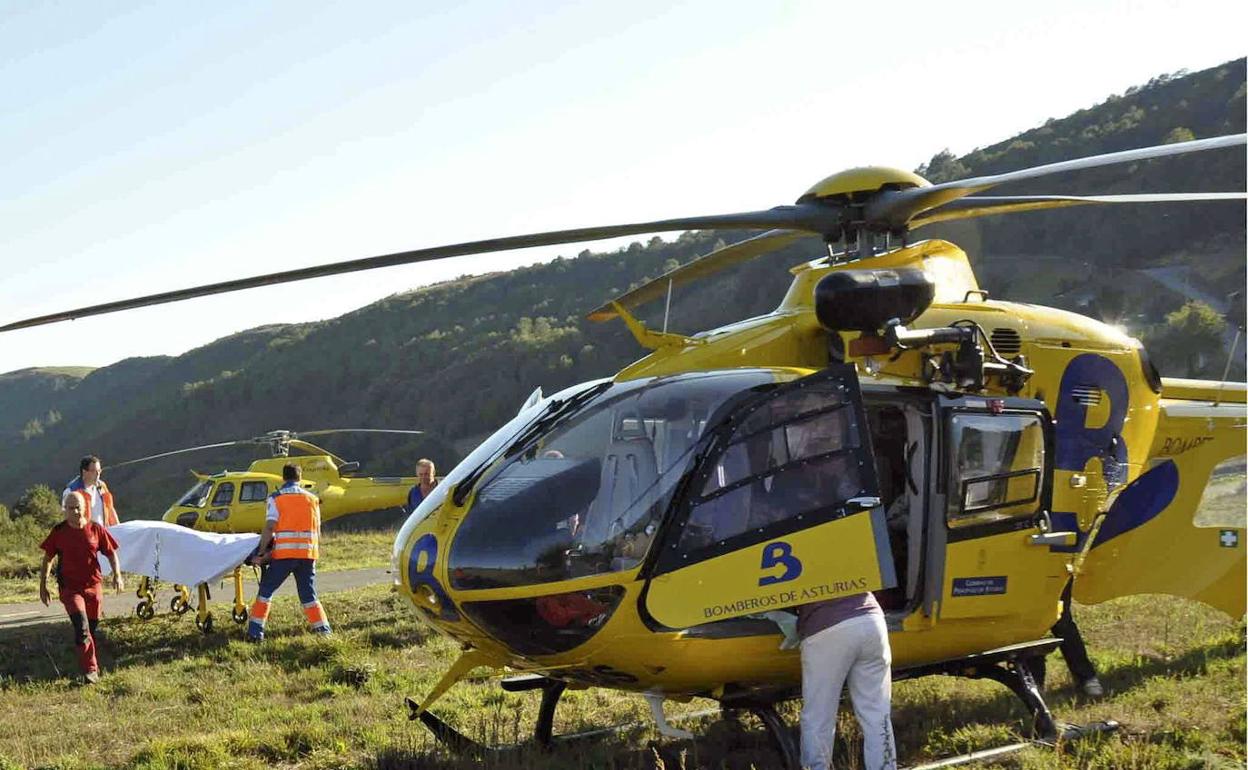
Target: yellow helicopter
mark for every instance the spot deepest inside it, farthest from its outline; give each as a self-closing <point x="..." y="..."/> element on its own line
<point x="889" y="427"/>
<point x="234" y="501"/>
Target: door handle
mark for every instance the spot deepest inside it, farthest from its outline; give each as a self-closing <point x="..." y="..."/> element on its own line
<point x="1055" y="539"/>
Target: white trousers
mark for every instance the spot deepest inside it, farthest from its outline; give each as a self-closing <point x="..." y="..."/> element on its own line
<point x="854" y="650"/>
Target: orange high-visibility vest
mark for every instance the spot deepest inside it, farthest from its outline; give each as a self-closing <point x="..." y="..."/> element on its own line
<point x="110" y="513"/>
<point x="298" y="531"/>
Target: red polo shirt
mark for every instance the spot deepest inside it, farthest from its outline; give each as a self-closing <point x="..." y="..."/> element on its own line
<point x="79" y="569"/>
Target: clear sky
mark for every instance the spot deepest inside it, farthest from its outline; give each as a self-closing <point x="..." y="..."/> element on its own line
<point x="148" y="147"/>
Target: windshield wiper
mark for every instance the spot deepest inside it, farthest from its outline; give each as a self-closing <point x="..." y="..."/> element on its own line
<point x="555" y="410"/>
<point x="554" y="414"/>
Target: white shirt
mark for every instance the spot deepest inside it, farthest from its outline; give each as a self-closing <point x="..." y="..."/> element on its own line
<point x="96" y="502"/>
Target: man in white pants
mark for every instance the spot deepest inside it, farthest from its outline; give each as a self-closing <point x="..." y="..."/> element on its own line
<point x="846" y="639"/>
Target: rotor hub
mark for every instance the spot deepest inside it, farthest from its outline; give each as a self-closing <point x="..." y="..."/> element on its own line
<point x="854" y="183"/>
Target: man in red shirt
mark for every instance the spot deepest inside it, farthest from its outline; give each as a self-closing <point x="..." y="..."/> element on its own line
<point x="75" y="543"/>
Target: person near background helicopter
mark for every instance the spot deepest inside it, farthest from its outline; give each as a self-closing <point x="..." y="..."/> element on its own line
<point x="99" y="500"/>
<point x="75" y="543"/>
<point x="427" y="480"/>
<point x="290" y="546"/>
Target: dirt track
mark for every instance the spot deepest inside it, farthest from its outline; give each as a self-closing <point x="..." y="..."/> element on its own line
<point x="120" y="605"/>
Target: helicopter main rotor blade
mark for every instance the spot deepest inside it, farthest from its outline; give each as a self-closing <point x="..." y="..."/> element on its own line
<point x="894" y="209"/>
<point x="813" y="217"/>
<point x="701" y="267"/>
<point x="354" y="430"/>
<point x="969" y="208"/>
<point x="313" y="449"/>
<point x="181" y="451"/>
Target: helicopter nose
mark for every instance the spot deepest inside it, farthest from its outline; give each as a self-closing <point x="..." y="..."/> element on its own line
<point x="418" y="564"/>
<point x="423" y="570"/>
<point x="183" y="518"/>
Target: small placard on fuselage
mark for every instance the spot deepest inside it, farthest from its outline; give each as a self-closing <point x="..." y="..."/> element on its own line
<point x="979" y="586"/>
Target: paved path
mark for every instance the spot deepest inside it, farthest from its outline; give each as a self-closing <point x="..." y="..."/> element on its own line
<point x="1177" y="278"/>
<point x="120" y="605"/>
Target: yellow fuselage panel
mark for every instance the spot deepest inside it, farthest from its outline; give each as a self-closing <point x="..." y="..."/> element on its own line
<point x="1156" y="544"/>
<point x="832" y="560"/>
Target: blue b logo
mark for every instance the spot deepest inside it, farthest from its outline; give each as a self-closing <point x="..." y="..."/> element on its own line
<point x="420" y="573"/>
<point x="779" y="554"/>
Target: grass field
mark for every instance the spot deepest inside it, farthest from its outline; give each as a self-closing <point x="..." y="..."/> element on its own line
<point x="172" y="698"/>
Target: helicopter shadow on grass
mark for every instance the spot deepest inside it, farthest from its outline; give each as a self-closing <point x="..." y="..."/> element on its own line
<point x="614" y="753"/>
<point x="732" y="741"/>
<point x="45" y="652"/>
<point x="921" y="728"/>
<point x="915" y="723"/>
<point x="1194" y="662"/>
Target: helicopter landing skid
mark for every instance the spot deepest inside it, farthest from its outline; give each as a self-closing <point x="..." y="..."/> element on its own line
<point x="543" y="731"/>
<point x="1009" y="666"/>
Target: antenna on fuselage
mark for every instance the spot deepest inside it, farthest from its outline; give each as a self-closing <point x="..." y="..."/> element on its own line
<point x="667" y="309"/>
<point x="1235" y="314"/>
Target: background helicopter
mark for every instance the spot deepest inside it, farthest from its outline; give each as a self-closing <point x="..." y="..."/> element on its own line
<point x="607" y="536"/>
<point x="234" y="501"/>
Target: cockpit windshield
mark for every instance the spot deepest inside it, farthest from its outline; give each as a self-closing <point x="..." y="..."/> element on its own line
<point x="481" y="457"/>
<point x="196" y="496"/>
<point x="587" y="495"/>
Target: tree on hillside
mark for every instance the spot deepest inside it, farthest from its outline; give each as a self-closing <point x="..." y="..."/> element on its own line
<point x="943" y="167"/>
<point x="39" y="503"/>
<point x="1189" y="344"/>
<point x="1179" y="134"/>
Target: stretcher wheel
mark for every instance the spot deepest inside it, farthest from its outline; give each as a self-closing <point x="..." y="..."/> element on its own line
<point x="178" y="605"/>
<point x="145" y="610"/>
<point x="239" y="616"/>
<point x="204" y="625"/>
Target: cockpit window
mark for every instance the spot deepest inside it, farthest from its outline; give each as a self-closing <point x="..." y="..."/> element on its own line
<point x="587" y="496"/>
<point x="197" y="495"/>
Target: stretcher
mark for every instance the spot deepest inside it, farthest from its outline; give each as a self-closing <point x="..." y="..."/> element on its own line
<point x="157" y="550"/>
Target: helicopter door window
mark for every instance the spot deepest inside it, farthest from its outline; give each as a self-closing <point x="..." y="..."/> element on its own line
<point x="998" y="467"/>
<point x="795" y="455"/>
<point x="224" y="494"/>
<point x="253" y="492"/>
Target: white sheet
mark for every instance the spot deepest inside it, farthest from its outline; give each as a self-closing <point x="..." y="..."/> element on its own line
<point x="177" y="554"/>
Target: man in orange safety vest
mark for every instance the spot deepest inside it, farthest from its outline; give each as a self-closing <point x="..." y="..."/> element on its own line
<point x="289" y="543"/>
<point x="95" y="493"/>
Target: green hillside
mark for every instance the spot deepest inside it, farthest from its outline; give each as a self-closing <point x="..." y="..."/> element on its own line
<point x="458" y="358"/>
<point x="31" y="398"/>
<point x="1095" y="255"/>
